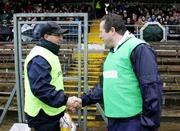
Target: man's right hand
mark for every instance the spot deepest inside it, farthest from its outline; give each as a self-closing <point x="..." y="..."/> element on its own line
<point x="74" y="103"/>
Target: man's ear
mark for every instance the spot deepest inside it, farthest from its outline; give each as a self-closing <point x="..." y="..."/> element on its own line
<point x="113" y="29"/>
<point x="45" y="36"/>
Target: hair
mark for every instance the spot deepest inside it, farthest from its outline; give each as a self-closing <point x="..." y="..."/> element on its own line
<point x="116" y="21"/>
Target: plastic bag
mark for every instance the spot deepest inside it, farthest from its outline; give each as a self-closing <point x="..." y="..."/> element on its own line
<point x="66" y="123"/>
<point x="20" y="127"/>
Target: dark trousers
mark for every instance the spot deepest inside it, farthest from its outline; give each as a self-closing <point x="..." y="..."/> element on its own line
<point x="43" y="122"/>
<point x="52" y="126"/>
<point x="124" y="124"/>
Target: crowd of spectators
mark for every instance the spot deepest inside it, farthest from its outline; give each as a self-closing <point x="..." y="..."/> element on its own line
<point x="19" y="6"/>
<point x="133" y="13"/>
<point x="139" y="13"/>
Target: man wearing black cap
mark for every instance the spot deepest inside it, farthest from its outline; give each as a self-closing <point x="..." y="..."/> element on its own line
<point x="45" y="101"/>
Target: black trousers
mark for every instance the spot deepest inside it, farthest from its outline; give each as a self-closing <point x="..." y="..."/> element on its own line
<point x="51" y="126"/>
<point x="124" y="124"/>
<point x="128" y="124"/>
<point x="43" y="122"/>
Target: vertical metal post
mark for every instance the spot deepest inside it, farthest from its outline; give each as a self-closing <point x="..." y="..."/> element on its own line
<point x="85" y="26"/>
<point x="166" y="32"/>
<point x="21" y="88"/>
<point x="137" y="31"/>
<point x="79" y="69"/>
<point x="18" y="88"/>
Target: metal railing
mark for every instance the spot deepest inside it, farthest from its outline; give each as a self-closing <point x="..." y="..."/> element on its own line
<point x="172" y="32"/>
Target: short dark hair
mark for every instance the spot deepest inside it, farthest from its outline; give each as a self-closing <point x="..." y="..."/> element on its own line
<point x="116" y="21"/>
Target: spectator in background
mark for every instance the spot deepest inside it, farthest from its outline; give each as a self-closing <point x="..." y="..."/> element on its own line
<point x="129" y="25"/>
<point x="125" y="16"/>
<point x="140" y="21"/>
<point x="29" y="7"/>
<point x="7" y="7"/>
<point x="152" y="18"/>
<point x="5" y="32"/>
<point x="120" y="7"/>
<point x="100" y="9"/>
<point x="134" y="18"/>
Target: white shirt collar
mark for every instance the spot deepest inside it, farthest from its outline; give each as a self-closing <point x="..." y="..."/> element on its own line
<point x="126" y="36"/>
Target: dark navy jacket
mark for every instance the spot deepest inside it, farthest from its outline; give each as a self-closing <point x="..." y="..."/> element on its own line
<point x="144" y="64"/>
<point x="145" y="67"/>
<point x="39" y="78"/>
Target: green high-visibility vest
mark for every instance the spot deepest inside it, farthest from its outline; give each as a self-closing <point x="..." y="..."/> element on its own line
<point x="121" y="91"/>
<point x="32" y="103"/>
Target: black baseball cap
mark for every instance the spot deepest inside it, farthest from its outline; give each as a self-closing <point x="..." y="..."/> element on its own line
<point x="52" y="28"/>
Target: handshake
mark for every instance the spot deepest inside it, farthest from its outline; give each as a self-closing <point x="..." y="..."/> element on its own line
<point x="73" y="103"/>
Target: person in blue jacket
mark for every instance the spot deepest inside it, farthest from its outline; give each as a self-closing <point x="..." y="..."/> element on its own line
<point x="45" y="101"/>
<point x="130" y="86"/>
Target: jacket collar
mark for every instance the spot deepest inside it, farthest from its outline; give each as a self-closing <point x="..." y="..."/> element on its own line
<point x="49" y="45"/>
<point x="127" y="35"/>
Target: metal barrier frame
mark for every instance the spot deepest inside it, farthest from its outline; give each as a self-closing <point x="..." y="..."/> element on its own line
<point x="18" y="90"/>
<point x="18" y="56"/>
